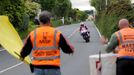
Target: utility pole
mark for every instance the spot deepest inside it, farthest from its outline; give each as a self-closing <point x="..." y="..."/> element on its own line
<point x="106" y="3"/>
<point x="100" y="5"/>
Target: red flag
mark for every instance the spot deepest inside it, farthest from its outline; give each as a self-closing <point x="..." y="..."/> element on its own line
<point x="99" y="65"/>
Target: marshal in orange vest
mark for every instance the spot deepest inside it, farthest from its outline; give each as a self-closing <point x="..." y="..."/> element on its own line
<point x="45" y="46"/>
<point x="126" y="42"/>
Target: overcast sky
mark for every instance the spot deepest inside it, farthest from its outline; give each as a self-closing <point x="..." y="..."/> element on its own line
<point x="83" y="4"/>
<point x="132" y="1"/>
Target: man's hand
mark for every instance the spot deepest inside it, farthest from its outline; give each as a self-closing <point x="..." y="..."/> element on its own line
<point x="104" y="40"/>
<point x="72" y="47"/>
<point x="21" y="58"/>
<point x="116" y="50"/>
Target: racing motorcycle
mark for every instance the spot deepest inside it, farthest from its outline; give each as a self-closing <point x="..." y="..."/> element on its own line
<point x="86" y="35"/>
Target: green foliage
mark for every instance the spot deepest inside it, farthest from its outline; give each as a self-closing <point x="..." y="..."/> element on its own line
<point x="47" y="4"/>
<point x="56" y="23"/>
<point x="118" y="1"/>
<point x="78" y="15"/>
<point x="107" y="20"/>
<point x="23" y="34"/>
<point x="59" y="8"/>
<point x="101" y="4"/>
<point x="82" y="15"/>
<point x="90" y="12"/>
<point x="96" y="4"/>
<point x="73" y="14"/>
<point x="32" y="8"/>
<point x="107" y="24"/>
<point x="62" y="8"/>
<point x="25" y="22"/>
<point x="14" y="9"/>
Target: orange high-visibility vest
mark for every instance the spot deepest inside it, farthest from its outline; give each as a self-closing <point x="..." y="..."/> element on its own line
<point x="45" y="46"/>
<point x="126" y="42"/>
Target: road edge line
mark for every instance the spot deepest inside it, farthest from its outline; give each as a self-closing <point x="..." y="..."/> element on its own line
<point x="97" y="30"/>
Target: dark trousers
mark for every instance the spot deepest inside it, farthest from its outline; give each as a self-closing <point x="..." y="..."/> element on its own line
<point x="125" y="66"/>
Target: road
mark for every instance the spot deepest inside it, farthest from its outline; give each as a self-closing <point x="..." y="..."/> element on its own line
<point x="76" y="64"/>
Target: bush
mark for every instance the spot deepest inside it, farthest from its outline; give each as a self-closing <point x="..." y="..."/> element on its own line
<point x="25" y="22"/>
<point x="14" y="9"/>
<point x="56" y="23"/>
<point x="23" y="34"/>
<point x="107" y="21"/>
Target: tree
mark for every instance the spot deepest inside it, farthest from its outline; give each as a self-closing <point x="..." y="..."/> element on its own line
<point x="73" y="14"/>
<point x="76" y="15"/>
<point x="101" y="4"/>
<point x="14" y="9"/>
<point x="107" y="20"/>
<point x="96" y="4"/>
<point x="90" y="12"/>
<point x="32" y="8"/>
<point x="83" y="16"/>
<point x="59" y="8"/>
<point x="17" y="11"/>
<point x="46" y="4"/>
<point x="62" y="8"/>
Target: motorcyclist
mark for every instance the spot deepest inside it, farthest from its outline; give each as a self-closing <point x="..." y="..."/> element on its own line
<point x="84" y="32"/>
<point x="83" y="28"/>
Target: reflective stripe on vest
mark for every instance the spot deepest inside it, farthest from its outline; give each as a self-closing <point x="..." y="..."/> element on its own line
<point x="46" y="58"/>
<point x="120" y="37"/>
<point x="126" y="42"/>
<point x="54" y="47"/>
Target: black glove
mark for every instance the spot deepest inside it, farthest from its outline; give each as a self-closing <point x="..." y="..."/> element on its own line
<point x="21" y="58"/>
<point x="31" y="68"/>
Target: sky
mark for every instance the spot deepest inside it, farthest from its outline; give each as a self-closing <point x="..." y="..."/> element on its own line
<point x="82" y="4"/>
<point x="132" y="1"/>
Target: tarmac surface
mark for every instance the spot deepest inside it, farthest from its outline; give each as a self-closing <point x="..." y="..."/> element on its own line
<point x="76" y="64"/>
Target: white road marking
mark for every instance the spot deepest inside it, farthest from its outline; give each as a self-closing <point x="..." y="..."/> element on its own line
<point x="73" y="33"/>
<point x="22" y="62"/>
<point x="10" y="67"/>
<point x="2" y="50"/>
<point x="97" y="30"/>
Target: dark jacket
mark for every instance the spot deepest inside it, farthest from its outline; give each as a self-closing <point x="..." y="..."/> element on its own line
<point x="63" y="44"/>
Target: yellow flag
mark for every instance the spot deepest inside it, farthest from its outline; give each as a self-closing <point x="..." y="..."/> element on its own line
<point x="10" y="39"/>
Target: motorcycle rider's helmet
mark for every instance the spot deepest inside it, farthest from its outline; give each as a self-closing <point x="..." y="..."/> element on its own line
<point x="82" y="24"/>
